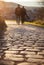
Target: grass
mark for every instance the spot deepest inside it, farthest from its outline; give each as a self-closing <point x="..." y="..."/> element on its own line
<point x="36" y="23"/>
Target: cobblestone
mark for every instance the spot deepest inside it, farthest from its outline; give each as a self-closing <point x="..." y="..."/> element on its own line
<point x="35" y="56"/>
<point x="6" y="62"/>
<point x="35" y="60"/>
<point x="22" y="45"/>
<point x="33" y="50"/>
<point x="26" y="63"/>
<point x="41" y="53"/>
<point x="15" y="59"/>
<point x="11" y="52"/>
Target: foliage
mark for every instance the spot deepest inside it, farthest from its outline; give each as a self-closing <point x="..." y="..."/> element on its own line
<point x="2" y="23"/>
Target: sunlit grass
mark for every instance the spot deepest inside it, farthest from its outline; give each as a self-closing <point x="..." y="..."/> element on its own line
<point x="36" y="23"/>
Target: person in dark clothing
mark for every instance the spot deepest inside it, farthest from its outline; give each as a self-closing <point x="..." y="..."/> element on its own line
<point x="23" y="14"/>
<point x="18" y="14"/>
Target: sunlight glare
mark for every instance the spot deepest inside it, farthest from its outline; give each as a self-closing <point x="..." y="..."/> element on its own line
<point x="27" y="2"/>
<point x="23" y="0"/>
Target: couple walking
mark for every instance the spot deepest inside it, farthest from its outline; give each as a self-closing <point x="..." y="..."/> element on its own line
<point x="20" y="14"/>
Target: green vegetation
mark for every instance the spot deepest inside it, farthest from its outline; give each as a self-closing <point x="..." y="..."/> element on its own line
<point x="37" y="23"/>
<point x="2" y="23"/>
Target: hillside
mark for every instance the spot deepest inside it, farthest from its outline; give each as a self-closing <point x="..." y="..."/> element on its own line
<point x="7" y="10"/>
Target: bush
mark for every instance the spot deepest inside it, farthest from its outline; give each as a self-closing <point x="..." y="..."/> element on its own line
<point x="2" y="23"/>
<point x="39" y="22"/>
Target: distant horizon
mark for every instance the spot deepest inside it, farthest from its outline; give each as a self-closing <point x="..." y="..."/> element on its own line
<point x="29" y="3"/>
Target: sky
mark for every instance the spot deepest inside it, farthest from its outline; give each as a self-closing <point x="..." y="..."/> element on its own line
<point x="35" y="3"/>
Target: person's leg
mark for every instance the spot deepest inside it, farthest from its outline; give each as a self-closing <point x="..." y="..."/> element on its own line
<point x="22" y="20"/>
<point x="18" y="20"/>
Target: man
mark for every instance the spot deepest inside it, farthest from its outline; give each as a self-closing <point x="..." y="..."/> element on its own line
<point x="18" y="14"/>
<point x="23" y="14"/>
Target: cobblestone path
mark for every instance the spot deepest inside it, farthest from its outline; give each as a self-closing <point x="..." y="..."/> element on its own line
<point x="22" y="45"/>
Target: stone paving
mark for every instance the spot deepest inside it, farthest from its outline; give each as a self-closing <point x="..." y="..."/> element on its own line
<point x="22" y="45"/>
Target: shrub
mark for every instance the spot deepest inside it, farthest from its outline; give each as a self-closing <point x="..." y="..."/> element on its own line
<point x="2" y="23"/>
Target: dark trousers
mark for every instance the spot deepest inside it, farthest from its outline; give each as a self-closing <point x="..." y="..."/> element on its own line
<point x="22" y="19"/>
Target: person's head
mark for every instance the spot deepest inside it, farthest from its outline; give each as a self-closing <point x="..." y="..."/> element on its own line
<point x="18" y="5"/>
<point x="22" y="6"/>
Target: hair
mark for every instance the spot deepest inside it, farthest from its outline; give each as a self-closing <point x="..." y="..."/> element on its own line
<point x="18" y="5"/>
